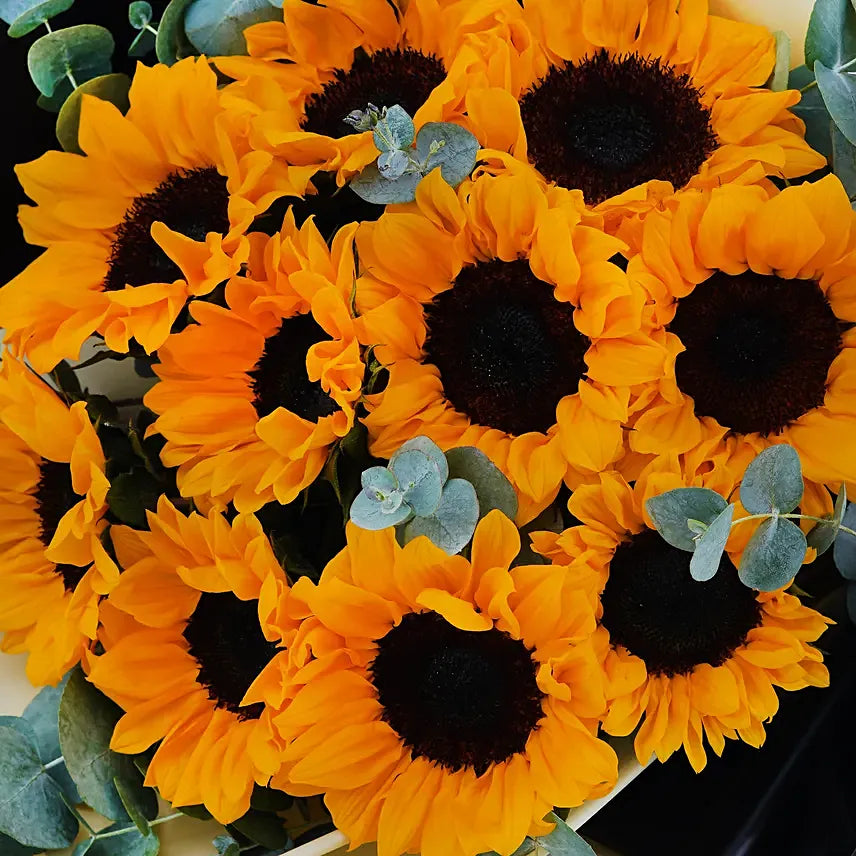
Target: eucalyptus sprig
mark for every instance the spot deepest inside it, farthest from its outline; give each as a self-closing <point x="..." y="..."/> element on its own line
<point x="700" y="521"/>
<point x="407" y="157"/>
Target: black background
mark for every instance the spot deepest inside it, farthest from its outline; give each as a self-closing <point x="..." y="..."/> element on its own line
<point x="794" y="797"/>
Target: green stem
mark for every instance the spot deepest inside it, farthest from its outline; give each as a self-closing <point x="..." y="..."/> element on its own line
<point x="131" y="828"/>
<point x="809" y="86"/>
<point x="55" y="763"/>
<point x="792" y="517"/>
<point x="70" y="76"/>
<point x="47" y="26"/>
<point x="99" y="358"/>
<point x="151" y="29"/>
<point x="847" y="65"/>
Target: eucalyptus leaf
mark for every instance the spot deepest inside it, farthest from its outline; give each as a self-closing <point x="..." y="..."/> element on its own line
<point x="822" y="536"/>
<point x="129" y="802"/>
<point x="132" y="494"/>
<point x="564" y="841"/>
<point x="10" y="847"/>
<point x="132" y="843"/>
<point x="395" y="131"/>
<point x="453" y="523"/>
<point x="831" y="34"/>
<point x="812" y="110"/>
<point x="172" y="43"/>
<point x="456" y="158"/>
<point x="779" y="78"/>
<point x="844" y="551"/>
<point x="84" y="51"/>
<point x="225" y="845"/>
<point x="420" y="480"/>
<point x="86" y="722"/>
<point x="377" y="482"/>
<point x="392" y="164"/>
<point x="773" y="555"/>
<point x="32" y="810"/>
<point x="268" y="830"/>
<point x="773" y="481"/>
<point x="844" y="161"/>
<point x="670" y="512"/>
<point x="371" y="186"/>
<point x="42" y="713"/>
<point x="492" y="488"/>
<point x="369" y="514"/>
<point x="109" y="87"/>
<point x="53" y="104"/>
<point x="429" y="448"/>
<point x="216" y="27"/>
<point x="270" y="799"/>
<point x="32" y="17"/>
<point x="710" y="546"/>
<point x="838" y="89"/>
<point x="139" y="14"/>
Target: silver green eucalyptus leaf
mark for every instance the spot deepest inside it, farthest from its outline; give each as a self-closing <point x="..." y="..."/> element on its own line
<point x="419" y="479"/>
<point x="216" y="27"/>
<point x="392" y="501"/>
<point x="773" y="555"/>
<point x="172" y="43"/>
<point x="672" y="510"/>
<point x="394" y="130"/>
<point x="831" y="34"/>
<point x="812" y="110"/>
<point x="773" y="481"/>
<point x="710" y="546"/>
<point x="838" y="89"/>
<point x="369" y="514"/>
<point x="697" y="527"/>
<point x="392" y="164"/>
<point x="428" y="447"/>
<point x="31" y="14"/>
<point x="563" y="840"/>
<point x="84" y="52"/>
<point x="453" y="148"/>
<point x="371" y="186"/>
<point x="139" y="14"/>
<point x="822" y="536"/>
<point x="844" y="551"/>
<point x="378" y="483"/>
<point x="452" y="525"/>
<point x="493" y="489"/>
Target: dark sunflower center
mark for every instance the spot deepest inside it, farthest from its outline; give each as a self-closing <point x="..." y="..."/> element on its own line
<point x="55" y="496"/>
<point x="387" y="77"/>
<point x="279" y="378"/>
<point x="193" y="202"/>
<point x="330" y="205"/>
<point x="458" y="698"/>
<point x="611" y="123"/>
<point x="654" y="608"/>
<point x="227" y="642"/>
<point x="758" y="349"/>
<point x="507" y="350"/>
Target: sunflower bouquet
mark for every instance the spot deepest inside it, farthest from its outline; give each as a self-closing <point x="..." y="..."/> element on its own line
<point x="500" y="384"/>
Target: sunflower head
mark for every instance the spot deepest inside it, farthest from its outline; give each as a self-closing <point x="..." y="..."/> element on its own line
<point x="688" y="660"/>
<point x="453" y="700"/>
<point x="195" y="651"/>
<point x="630" y="103"/>
<point x="253" y="395"/>
<point x="504" y="325"/>
<point x="54" y="568"/>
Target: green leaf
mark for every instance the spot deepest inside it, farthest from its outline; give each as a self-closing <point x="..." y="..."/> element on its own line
<point x="132" y="494"/>
<point x="53" y="104"/>
<point x="197" y="812"/>
<point x="838" y="89"/>
<point x="172" y="43"/>
<point x="371" y="186"/>
<point x="132" y="843"/>
<point x="101" y="409"/>
<point x="670" y="512"/>
<point x="42" y="713"/>
<point x="377" y="482"/>
<point x="83" y="847"/>
<point x="36" y="15"/>
<point x="370" y="514"/>
<point x="844" y="161"/>
<point x="65" y="380"/>
<point x="392" y="164"/>
<point x="83" y="51"/>
<point x="32" y="810"/>
<point x="86" y="723"/>
<point x="216" y="27"/>
<point x="844" y="551"/>
<point x="129" y="802"/>
<point x="139" y="14"/>
<point x="109" y="87"/>
<point x="779" y="78"/>
<point x="492" y="488"/>
<point x="773" y="481"/>
<point x="419" y="479"/>
<point x="428" y="447"/>
<point x="10" y="847"/>
<point x="457" y="157"/>
<point x="831" y="34"/>
<point x="823" y="535"/>
<point x="563" y="841"/>
<point x="395" y="131"/>
<point x="453" y="523"/>
<point x="270" y="799"/>
<point x="710" y="546"/>
<point x="268" y="830"/>
<point x="773" y="555"/>
<point x="225" y="845"/>
<point x="812" y="110"/>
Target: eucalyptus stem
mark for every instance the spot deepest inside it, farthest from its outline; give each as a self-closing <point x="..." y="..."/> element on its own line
<point x="47" y="26"/>
<point x="846" y="529"/>
<point x="151" y="29"/>
<point x="808" y="86"/>
<point x="55" y="763"/>
<point x="71" y="79"/>
<point x="156" y="822"/>
<point x="847" y="65"/>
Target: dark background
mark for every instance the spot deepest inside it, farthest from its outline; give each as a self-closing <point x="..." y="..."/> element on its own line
<point x="794" y="797"/>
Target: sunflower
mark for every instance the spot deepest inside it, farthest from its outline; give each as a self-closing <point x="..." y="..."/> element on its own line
<point x="194" y="636"/>
<point x="631" y="101"/>
<point x="305" y="74"/>
<point x="53" y="567"/>
<point x="505" y="326"/>
<point x="755" y="299"/>
<point x="252" y="396"/>
<point x="152" y="216"/>
<point x="461" y="702"/>
<point x="686" y="659"/>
